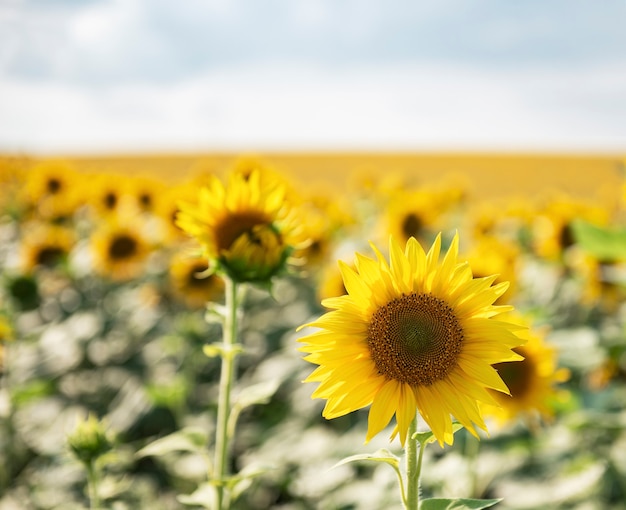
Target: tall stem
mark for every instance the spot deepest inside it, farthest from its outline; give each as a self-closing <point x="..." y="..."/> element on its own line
<point x="227" y="377"/>
<point x="413" y="468"/>
<point x="92" y="477"/>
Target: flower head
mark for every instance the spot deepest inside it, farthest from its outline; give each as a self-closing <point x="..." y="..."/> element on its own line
<point x="414" y="334"/>
<point x="89" y="440"/>
<point x="246" y="228"/>
<point x="532" y="381"/>
<point x="119" y="250"/>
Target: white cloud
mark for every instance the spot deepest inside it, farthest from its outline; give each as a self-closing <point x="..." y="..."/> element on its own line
<point x="285" y="107"/>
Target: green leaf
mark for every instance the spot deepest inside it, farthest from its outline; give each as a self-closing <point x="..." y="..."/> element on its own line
<point x="256" y="394"/>
<point x="604" y="243"/>
<point x="381" y="455"/>
<point x="189" y="439"/>
<point x="457" y="504"/>
<point x="428" y="437"/>
<point x="203" y="496"/>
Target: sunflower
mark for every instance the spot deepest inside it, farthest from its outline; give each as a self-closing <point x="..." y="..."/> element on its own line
<point x="45" y="245"/>
<point x="119" y="250"/>
<point x="551" y="229"/>
<point x="416" y="213"/>
<point x="247" y="228"/>
<point x="415" y="334"/>
<point x="190" y="282"/>
<point x="490" y="255"/>
<point x="532" y="382"/>
<point x="106" y="192"/>
<point x="145" y="191"/>
<point x="52" y="190"/>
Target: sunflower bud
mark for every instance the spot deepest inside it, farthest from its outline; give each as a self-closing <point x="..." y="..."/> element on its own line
<point x="89" y="440"/>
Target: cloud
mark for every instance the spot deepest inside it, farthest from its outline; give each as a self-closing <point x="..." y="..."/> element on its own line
<point x="285" y="107"/>
<point x="133" y="74"/>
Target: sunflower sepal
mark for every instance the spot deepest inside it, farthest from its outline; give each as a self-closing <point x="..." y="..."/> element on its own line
<point x="457" y="504"/>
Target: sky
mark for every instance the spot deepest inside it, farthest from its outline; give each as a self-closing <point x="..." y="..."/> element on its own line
<point x="98" y="76"/>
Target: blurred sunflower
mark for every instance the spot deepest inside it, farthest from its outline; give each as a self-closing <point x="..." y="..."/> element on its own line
<point x="532" y="382"/>
<point x="330" y="283"/>
<point x="190" y="282"/>
<point x="45" y="245"/>
<point x="167" y="209"/>
<point x="415" y="334"/>
<point x="106" y="192"/>
<point x="492" y="256"/>
<point x="602" y="283"/>
<point x="413" y="214"/>
<point x="551" y="230"/>
<point x="247" y="229"/>
<point x="145" y="191"/>
<point x="119" y="250"/>
<point x="52" y="190"/>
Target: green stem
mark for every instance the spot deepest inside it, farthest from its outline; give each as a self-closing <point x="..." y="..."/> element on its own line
<point x="413" y="468"/>
<point x="471" y="454"/>
<point x="92" y="478"/>
<point x="227" y="377"/>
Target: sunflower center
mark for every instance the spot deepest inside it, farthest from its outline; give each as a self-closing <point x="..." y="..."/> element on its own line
<point x="411" y="225"/>
<point x="110" y="200"/>
<point x="122" y="247"/>
<point x="415" y="339"/>
<point x="49" y="256"/>
<point x="234" y="225"/>
<point x="566" y="236"/>
<point x="145" y="199"/>
<point x="53" y="185"/>
<point x="517" y="375"/>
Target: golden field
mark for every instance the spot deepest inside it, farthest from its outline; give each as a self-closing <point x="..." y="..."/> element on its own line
<point x="486" y="175"/>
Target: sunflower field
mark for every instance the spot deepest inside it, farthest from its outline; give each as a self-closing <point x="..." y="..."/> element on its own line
<point x="232" y="336"/>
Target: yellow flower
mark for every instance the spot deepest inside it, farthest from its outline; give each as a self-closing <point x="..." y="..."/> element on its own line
<point x="416" y="213"/>
<point x="52" y="190"/>
<point x="415" y="334"/>
<point x="119" y="250"/>
<point x="45" y="245"/>
<point x="145" y="191"/>
<point x="247" y="228"/>
<point x="532" y="382"/>
<point x="490" y="255"/>
<point x="191" y="284"/>
<point x="106" y="192"/>
<point x="551" y="229"/>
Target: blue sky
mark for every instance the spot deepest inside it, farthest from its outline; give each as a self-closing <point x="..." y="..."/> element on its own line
<point x="135" y="75"/>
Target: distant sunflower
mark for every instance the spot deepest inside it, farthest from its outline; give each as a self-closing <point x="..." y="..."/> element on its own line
<point x="51" y="189"/>
<point x="532" y="382"/>
<point x="247" y="228"/>
<point x="119" y="250"/>
<point x="493" y="256"/>
<point x="145" y="191"/>
<point x="413" y="214"/>
<point x="415" y="334"/>
<point x="106" y="192"/>
<point x="190" y="282"/>
<point x="552" y="231"/>
<point x="45" y="245"/>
